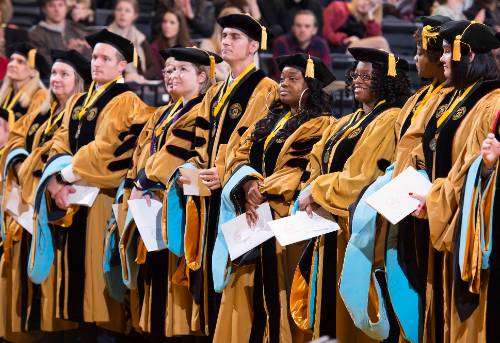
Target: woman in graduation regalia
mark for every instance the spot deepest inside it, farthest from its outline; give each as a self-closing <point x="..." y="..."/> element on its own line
<point x="452" y="140"/>
<point x="380" y="235"/>
<point x="228" y="109"/>
<point x="268" y="165"/>
<point x="165" y="301"/>
<point x="93" y="146"/>
<point x="22" y="164"/>
<point x="22" y="89"/>
<point x="350" y="155"/>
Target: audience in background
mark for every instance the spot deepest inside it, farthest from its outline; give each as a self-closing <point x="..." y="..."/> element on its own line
<point x="450" y="8"/>
<point x="290" y="7"/>
<point x="354" y="24"/>
<point x="125" y="14"/>
<point x="55" y="32"/>
<point x="200" y="15"/>
<point x="80" y="11"/>
<point x="402" y="9"/>
<point x="303" y="38"/>
<point x="173" y="31"/>
<point x="486" y="12"/>
<point x="5" y="16"/>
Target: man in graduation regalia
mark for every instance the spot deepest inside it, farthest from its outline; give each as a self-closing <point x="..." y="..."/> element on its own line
<point x="94" y="147"/>
<point x="229" y="108"/>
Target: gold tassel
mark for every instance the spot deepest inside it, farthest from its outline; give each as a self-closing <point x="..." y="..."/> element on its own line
<point x="135" y="60"/>
<point x="263" y="39"/>
<point x="310" y="68"/>
<point x="391" y="66"/>
<point x="456" y="56"/>
<point x="32" y="58"/>
<point x="212" y="67"/>
<point x="425" y="33"/>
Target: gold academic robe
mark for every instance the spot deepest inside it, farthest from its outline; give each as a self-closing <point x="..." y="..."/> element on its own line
<point x="335" y="190"/>
<point x="282" y="167"/>
<point x="217" y="135"/>
<point x="28" y="302"/>
<point x="101" y="144"/>
<point x="167" y="307"/>
<point x="474" y="123"/>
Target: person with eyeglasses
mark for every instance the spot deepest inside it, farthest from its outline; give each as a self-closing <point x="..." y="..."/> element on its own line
<point x="351" y="154"/>
<point x="166" y="307"/>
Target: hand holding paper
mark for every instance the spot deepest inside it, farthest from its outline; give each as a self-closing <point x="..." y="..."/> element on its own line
<point x="393" y="200"/>
<point x="84" y="195"/>
<point x="195" y="186"/>
<point x="241" y="238"/>
<point x="148" y="221"/>
<point x="301" y="226"/>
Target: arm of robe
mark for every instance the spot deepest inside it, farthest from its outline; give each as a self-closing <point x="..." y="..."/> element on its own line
<point x="177" y="149"/>
<point x="444" y="197"/>
<point x="335" y="192"/>
<point x="105" y="161"/>
<point x="37" y="100"/>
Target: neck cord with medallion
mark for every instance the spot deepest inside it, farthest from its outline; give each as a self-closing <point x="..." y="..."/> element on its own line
<point x="431" y="91"/>
<point x="9" y="104"/>
<point x="163" y="123"/>
<point x="281" y="123"/>
<point x="443" y="118"/>
<point x="92" y="97"/>
<point x="53" y="120"/>
<point x="356" y="120"/>
<point x="224" y="96"/>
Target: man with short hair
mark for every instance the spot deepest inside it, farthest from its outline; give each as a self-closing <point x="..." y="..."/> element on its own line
<point x="55" y="32"/>
<point x="94" y="147"/>
<point x="302" y="39"/>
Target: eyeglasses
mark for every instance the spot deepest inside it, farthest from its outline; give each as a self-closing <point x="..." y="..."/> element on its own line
<point x="364" y="77"/>
<point x="166" y="72"/>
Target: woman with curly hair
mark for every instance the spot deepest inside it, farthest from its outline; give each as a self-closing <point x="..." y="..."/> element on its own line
<point x="268" y="166"/>
<point x="351" y="154"/>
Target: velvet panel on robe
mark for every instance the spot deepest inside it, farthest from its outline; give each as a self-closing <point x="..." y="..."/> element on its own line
<point x="216" y="137"/>
<point x="32" y="306"/>
<point x="101" y="144"/>
<point x="335" y="192"/>
<point x="442" y="209"/>
<point x="167" y="306"/>
<point x="250" y="298"/>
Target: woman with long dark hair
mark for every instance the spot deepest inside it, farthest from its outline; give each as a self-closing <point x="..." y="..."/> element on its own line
<point x="452" y="140"/>
<point x="352" y="153"/>
<point x="268" y="166"/>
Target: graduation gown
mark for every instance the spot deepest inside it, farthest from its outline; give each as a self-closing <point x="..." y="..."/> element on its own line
<point x="101" y="145"/>
<point x="446" y="154"/>
<point x="32" y="307"/>
<point x="167" y="307"/>
<point x="226" y="113"/>
<point x="254" y="304"/>
<point x="29" y="98"/>
<point x="351" y="154"/>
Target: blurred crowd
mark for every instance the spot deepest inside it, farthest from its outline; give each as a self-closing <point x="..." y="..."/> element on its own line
<point x="315" y="27"/>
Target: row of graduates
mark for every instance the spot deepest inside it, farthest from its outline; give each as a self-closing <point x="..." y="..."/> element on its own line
<point x="253" y="141"/>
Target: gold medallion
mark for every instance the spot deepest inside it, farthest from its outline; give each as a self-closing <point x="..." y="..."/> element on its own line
<point x="91" y="114"/>
<point x="354" y="133"/>
<point x="459" y="113"/>
<point x="280" y="140"/>
<point x="440" y="110"/>
<point x="76" y="110"/>
<point x="235" y="110"/>
<point x="433" y="144"/>
<point x="33" y="129"/>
